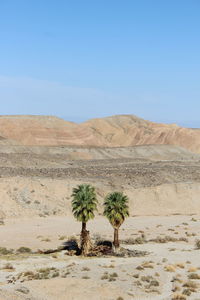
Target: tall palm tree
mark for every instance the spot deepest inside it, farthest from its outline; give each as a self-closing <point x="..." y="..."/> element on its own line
<point x="84" y="203"/>
<point x="116" y="210"/>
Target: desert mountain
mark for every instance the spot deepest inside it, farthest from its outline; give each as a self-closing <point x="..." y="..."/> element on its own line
<point x="115" y="131"/>
<point x="129" y="130"/>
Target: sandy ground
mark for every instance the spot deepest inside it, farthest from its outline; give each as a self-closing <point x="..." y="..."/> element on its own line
<point x="163" y="185"/>
<point x="163" y="273"/>
<point x="38" y="181"/>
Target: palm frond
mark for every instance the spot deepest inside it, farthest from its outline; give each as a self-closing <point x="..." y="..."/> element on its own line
<point x="84" y="202"/>
<point x="116" y="208"/>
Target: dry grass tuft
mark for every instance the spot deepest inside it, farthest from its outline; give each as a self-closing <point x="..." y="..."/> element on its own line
<point x="178" y="297"/>
<point x="176" y="288"/>
<point x="167" y="239"/>
<point x="192" y="269"/>
<point x="180" y="265"/>
<point x="190" y="284"/>
<point x="85" y="269"/>
<point x="170" y="268"/>
<point x="197" y="244"/>
<point x="194" y="276"/>
<point x="147" y="265"/>
<point x="8" y="266"/>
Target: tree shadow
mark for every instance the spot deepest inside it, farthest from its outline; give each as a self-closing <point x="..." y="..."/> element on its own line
<point x="72" y="245"/>
<point x="105" y="243"/>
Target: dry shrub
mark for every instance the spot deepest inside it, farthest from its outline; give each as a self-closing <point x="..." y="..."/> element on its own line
<point x="190" y="284"/>
<point x="5" y="251"/>
<point x="170" y="268"/>
<point x="167" y="239"/>
<point x="178" y="297"/>
<point x="137" y="241"/>
<point x="24" y="250"/>
<point x="8" y="266"/>
<point x="177" y="279"/>
<point x="187" y="292"/>
<point x="176" y="289"/>
<point x="140" y="268"/>
<point x="180" y="265"/>
<point x="192" y="269"/>
<point x="85" y="269"/>
<point x="147" y="265"/>
<point x="197" y="244"/>
<point x="147" y="278"/>
<point x="194" y="276"/>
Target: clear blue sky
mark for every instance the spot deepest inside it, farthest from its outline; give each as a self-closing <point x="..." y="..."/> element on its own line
<point x="79" y="59"/>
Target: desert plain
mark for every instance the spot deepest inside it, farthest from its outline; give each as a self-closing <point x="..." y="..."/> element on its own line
<point x="156" y="165"/>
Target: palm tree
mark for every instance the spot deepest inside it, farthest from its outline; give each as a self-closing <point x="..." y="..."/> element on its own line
<point x="116" y="210"/>
<point x="84" y="203"/>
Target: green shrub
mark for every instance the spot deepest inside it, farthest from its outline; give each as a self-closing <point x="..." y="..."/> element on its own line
<point x="5" y="251"/>
<point x="24" y="250"/>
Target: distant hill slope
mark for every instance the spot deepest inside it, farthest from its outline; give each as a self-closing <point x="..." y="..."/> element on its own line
<point x="129" y="130"/>
<point x="115" y="131"/>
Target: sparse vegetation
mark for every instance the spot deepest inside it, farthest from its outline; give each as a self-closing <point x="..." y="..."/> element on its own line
<point x="190" y="284"/>
<point x="180" y="265"/>
<point x="167" y="239"/>
<point x="197" y="244"/>
<point x="5" y="251"/>
<point x="2" y="222"/>
<point x="24" y="250"/>
<point x="193" y="276"/>
<point x="62" y="237"/>
<point x="147" y="265"/>
<point x="192" y="269"/>
<point x="178" y="297"/>
<point x="8" y="266"/>
<point x="43" y="273"/>
<point x="109" y="277"/>
<point x="85" y="277"/>
<point x="170" y="268"/>
<point x="114" y="275"/>
<point x="146" y="278"/>
<point x="46" y="240"/>
<point x="187" y="292"/>
<point x="85" y="269"/>
<point x="105" y="276"/>
<point x="138" y="240"/>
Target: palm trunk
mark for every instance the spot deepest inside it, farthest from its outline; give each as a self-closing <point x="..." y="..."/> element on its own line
<point x="116" y="238"/>
<point x="83" y="226"/>
<point x="85" y="240"/>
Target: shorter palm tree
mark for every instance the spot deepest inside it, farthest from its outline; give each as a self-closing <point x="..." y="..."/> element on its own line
<point x="84" y="203"/>
<point x="116" y="210"/>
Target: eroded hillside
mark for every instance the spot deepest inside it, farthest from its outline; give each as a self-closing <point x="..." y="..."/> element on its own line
<point x="116" y="131"/>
